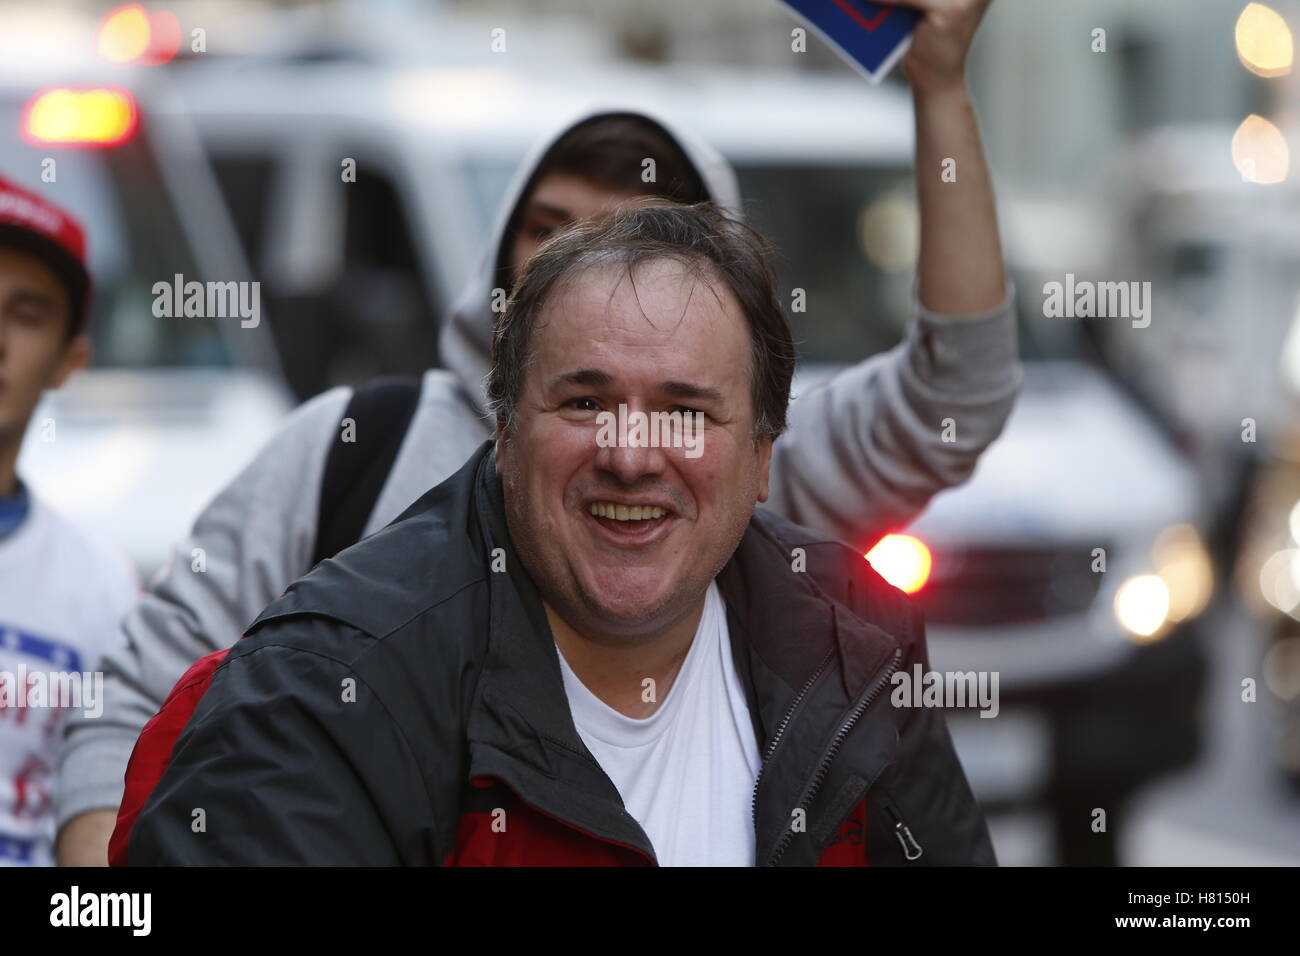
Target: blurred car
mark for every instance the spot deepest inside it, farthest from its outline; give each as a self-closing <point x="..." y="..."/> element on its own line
<point x="1072" y="565"/>
<point x="133" y="447"/>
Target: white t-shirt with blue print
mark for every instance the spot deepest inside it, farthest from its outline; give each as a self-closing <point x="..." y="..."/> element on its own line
<point x="62" y="595"/>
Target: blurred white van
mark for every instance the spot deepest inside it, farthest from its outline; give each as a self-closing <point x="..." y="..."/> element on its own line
<point x="358" y="274"/>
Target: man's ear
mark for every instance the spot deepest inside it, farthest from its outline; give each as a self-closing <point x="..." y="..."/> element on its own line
<point x="764" y="452"/>
<point x="501" y="448"/>
<point x="76" y="356"/>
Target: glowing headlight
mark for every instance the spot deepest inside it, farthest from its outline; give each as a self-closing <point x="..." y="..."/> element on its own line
<point x="1142" y="606"/>
<point x="1147" y="604"/>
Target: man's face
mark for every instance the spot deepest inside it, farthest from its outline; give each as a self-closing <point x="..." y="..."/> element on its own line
<point x="557" y="200"/>
<point x="35" y="353"/>
<point x="674" y="342"/>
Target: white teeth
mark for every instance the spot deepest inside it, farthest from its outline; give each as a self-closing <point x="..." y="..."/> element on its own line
<point x="606" y="509"/>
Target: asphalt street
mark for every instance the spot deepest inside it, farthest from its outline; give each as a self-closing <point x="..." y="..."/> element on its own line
<point x="1231" y="808"/>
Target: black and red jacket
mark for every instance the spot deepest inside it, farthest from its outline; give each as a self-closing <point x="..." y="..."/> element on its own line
<point x="403" y="704"/>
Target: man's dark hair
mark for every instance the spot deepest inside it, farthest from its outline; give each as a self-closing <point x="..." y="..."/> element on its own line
<point x="713" y="245"/>
<point x="610" y="150"/>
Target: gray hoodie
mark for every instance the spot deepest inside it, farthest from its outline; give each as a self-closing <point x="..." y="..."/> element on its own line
<point x="864" y="453"/>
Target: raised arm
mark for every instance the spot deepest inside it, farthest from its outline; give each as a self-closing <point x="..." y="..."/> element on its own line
<point x="960" y="271"/>
<point x="866" y="451"/>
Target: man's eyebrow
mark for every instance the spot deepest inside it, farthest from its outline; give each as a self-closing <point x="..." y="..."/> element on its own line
<point x="598" y="378"/>
<point x="691" y="390"/>
<point x="590" y="377"/>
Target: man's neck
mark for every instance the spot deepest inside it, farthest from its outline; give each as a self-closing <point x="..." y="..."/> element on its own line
<point x="618" y="673"/>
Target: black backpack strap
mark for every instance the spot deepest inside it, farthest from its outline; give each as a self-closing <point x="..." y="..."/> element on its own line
<point x="355" y="471"/>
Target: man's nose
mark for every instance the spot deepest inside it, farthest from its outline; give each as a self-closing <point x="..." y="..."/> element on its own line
<point x="632" y="457"/>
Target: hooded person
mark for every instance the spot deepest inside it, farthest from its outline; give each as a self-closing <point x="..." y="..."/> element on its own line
<point x="864" y="453"/>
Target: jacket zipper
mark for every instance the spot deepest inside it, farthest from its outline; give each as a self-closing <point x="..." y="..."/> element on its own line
<point x="911" y="848"/>
<point x="834" y="748"/>
<point x="780" y="730"/>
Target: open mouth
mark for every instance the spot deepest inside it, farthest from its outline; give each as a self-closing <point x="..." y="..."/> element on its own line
<point x="633" y="523"/>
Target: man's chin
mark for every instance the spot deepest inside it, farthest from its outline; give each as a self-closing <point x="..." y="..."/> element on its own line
<point x="626" y="615"/>
<point x="625" y="609"/>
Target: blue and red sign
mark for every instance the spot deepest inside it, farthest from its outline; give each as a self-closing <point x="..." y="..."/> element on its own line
<point x="871" y="36"/>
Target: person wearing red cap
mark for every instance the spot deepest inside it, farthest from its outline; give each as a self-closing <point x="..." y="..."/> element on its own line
<point x="61" y="592"/>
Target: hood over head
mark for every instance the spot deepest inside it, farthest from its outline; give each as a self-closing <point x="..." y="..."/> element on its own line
<point x="465" y="341"/>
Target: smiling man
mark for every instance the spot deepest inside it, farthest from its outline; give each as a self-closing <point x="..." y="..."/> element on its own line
<point x="572" y="652"/>
<point x="864" y="452"/>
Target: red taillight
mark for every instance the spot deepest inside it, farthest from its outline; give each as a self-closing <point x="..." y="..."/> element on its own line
<point x="64" y="116"/>
<point x="164" y="39"/>
<point x="902" y="560"/>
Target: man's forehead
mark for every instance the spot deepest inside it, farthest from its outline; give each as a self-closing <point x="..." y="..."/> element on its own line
<point x="656" y="298"/>
<point x="662" y="328"/>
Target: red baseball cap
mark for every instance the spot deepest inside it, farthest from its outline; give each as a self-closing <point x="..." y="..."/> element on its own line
<point x="34" y="224"/>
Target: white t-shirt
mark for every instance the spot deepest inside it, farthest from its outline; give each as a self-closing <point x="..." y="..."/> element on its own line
<point x="62" y="595"/>
<point x="686" y="773"/>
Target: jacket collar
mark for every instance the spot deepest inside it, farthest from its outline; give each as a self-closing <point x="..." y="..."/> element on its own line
<point x="803" y="659"/>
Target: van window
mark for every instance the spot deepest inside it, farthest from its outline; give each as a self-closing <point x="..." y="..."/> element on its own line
<point x="384" y="304"/>
<point x="246" y="183"/>
<point x="372" y="316"/>
<point x="841" y="234"/>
